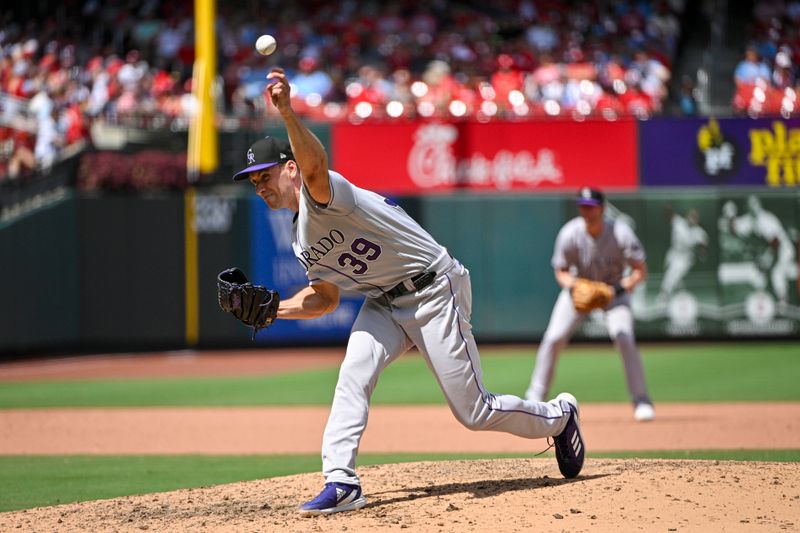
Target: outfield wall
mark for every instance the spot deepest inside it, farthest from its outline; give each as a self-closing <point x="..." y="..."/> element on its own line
<point x="715" y="202"/>
<point x="98" y="272"/>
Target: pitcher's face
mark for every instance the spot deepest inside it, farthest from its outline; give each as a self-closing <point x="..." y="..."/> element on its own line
<point x="274" y="185"/>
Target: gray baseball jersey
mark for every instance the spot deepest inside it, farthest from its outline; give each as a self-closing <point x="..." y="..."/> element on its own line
<point x="361" y="241"/>
<point x="603" y="259"/>
<point x="364" y="242"/>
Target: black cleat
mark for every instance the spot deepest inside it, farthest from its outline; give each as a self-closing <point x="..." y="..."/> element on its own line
<point x="570" y="449"/>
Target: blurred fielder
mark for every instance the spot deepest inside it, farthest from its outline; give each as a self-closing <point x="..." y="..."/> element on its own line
<point x="591" y="256"/>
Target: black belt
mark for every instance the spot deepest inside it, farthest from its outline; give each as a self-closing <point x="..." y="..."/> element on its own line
<point x="420" y="281"/>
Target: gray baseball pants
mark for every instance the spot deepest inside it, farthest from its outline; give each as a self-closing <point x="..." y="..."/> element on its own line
<point x="435" y="319"/>
<point x="564" y="320"/>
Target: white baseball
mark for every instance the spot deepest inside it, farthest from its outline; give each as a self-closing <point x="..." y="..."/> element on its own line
<point x="266" y="44"/>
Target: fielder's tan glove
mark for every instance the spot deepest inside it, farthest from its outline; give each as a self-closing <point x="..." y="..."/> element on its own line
<point x="588" y="295"/>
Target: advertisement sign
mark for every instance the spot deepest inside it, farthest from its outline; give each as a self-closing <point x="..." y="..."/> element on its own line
<point x="433" y="157"/>
<point x="720" y="152"/>
<point x="275" y="266"/>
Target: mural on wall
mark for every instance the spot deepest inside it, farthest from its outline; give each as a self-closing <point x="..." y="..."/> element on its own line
<point x="688" y="244"/>
<point x="758" y="268"/>
<point x="720" y="152"/>
<point x="716" y="266"/>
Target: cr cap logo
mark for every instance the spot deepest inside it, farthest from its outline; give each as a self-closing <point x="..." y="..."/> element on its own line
<point x="251" y="157"/>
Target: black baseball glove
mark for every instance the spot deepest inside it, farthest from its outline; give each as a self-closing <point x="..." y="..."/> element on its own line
<point x="254" y="305"/>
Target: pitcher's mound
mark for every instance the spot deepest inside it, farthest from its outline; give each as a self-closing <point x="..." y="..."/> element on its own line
<point x="509" y="495"/>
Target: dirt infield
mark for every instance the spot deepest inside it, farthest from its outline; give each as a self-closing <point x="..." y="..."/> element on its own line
<point x="510" y="495"/>
<point x="271" y="430"/>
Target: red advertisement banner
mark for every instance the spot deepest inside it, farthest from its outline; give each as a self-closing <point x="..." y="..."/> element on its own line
<point x="549" y="155"/>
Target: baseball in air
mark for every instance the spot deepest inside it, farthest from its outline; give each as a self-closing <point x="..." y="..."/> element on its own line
<point x="266" y="44"/>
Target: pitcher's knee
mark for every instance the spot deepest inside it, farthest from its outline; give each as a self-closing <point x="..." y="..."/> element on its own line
<point x="474" y="420"/>
<point x="473" y="424"/>
<point x="476" y="424"/>
<point x="356" y="388"/>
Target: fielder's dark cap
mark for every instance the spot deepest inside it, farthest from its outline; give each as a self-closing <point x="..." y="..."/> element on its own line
<point x="265" y="153"/>
<point x="589" y="196"/>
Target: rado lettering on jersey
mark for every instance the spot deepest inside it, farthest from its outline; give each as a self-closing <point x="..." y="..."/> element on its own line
<point x="312" y="254"/>
<point x="431" y="163"/>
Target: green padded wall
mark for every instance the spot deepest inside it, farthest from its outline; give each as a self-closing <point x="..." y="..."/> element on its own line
<point x="39" y="281"/>
<point x="506" y="242"/>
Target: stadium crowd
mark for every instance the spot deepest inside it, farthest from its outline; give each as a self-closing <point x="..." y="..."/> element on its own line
<point x="130" y="62"/>
<point x="767" y="76"/>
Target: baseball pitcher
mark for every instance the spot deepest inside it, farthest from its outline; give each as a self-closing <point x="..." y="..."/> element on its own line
<point x="417" y="294"/>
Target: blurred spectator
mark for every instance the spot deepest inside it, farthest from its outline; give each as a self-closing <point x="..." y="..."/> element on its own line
<point x="783" y="74"/>
<point x="687" y="101"/>
<point x="766" y="80"/>
<point x="434" y="95"/>
<point x="170" y="40"/>
<point x="664" y="26"/>
<point x="506" y="81"/>
<point x="310" y="80"/>
<point x="41" y="105"/>
<point x="17" y="148"/>
<point x="546" y="79"/>
<point x="48" y="140"/>
<point x="650" y="74"/>
<point x="99" y="79"/>
<point x="542" y="33"/>
<point x="132" y="71"/>
<point x="401" y="88"/>
<point x="751" y="68"/>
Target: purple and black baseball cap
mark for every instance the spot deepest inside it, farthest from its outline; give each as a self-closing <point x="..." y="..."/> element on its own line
<point x="589" y="196"/>
<point x="265" y="153"/>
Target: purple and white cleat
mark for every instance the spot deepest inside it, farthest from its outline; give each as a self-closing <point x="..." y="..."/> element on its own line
<point x="570" y="449"/>
<point x="334" y="498"/>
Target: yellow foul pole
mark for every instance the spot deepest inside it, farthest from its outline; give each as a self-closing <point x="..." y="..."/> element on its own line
<point x="202" y="152"/>
<point x="191" y="268"/>
<point x="203" y="156"/>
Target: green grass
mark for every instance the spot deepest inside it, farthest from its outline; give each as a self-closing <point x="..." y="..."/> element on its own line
<point x="312" y="388"/>
<point x="695" y="372"/>
<point x="676" y="373"/>
<point x="36" y="481"/>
